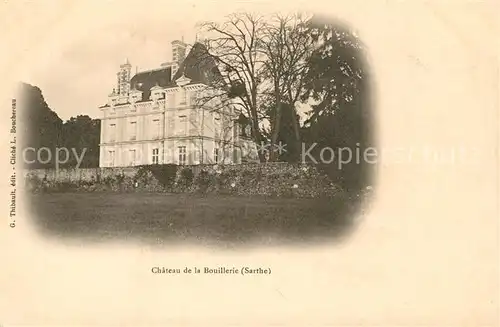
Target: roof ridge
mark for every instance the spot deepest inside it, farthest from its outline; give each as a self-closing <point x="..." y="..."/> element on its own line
<point x="151" y="70"/>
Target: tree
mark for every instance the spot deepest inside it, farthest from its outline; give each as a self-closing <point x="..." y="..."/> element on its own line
<point x="288" y="48"/>
<point x="272" y="66"/>
<point x="337" y="81"/>
<point x="287" y="148"/>
<point x="235" y="45"/>
<point x="336" y="76"/>
<point x="82" y="133"/>
<point x="263" y="61"/>
<point x="39" y="127"/>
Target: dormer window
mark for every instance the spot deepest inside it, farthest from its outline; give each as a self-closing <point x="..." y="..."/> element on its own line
<point x="156" y="92"/>
<point x="135" y="95"/>
<point x="182" y="81"/>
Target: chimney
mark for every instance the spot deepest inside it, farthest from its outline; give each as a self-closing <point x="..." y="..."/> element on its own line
<point x="178" y="51"/>
<point x="123" y="79"/>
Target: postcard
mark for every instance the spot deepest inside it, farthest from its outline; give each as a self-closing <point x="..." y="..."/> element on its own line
<point x="220" y="163"/>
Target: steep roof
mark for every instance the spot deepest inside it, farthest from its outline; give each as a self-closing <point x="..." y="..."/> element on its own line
<point x="199" y="66"/>
<point x="144" y="81"/>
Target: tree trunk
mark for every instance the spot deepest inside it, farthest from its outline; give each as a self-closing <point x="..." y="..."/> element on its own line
<point x="257" y="137"/>
<point x="275" y="133"/>
<point x="296" y="131"/>
<point x="275" y="128"/>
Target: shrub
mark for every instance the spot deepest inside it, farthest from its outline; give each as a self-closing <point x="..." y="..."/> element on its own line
<point x="144" y="179"/>
<point x="120" y="178"/>
<point x="204" y="182"/>
<point x="271" y="179"/>
<point x="108" y="181"/>
<point x="32" y="183"/>
<point x="65" y="186"/>
<point x="163" y="174"/>
<point x="184" y="178"/>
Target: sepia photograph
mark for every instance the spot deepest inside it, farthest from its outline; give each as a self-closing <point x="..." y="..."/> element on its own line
<point x="250" y="163"/>
<point x="259" y="130"/>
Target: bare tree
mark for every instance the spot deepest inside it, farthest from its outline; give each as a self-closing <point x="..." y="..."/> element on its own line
<point x="287" y="49"/>
<point x="236" y="47"/>
<point x="260" y="60"/>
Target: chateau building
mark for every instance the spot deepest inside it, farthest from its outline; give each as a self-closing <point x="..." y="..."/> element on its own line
<point x="155" y="116"/>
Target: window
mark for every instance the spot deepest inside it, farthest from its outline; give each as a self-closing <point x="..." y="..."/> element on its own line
<point x="216" y="155"/>
<point x="111" y="158"/>
<point x="217" y="125"/>
<point x="236" y="155"/>
<point x="112" y="132"/>
<point x="236" y="131"/>
<point x="156" y="129"/>
<point x="133" y="131"/>
<point x="241" y="129"/>
<point x="131" y="155"/>
<point x="182" y="155"/>
<point x="156" y="155"/>
<point x="182" y="125"/>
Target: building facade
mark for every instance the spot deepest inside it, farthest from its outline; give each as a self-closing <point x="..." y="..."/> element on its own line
<point x="156" y="116"/>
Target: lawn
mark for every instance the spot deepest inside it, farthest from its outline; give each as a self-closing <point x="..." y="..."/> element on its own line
<point x="167" y="218"/>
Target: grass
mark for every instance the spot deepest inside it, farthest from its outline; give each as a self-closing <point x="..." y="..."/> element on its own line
<point x="168" y="218"/>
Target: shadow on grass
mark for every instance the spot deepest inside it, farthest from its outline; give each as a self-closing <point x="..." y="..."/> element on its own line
<point x="223" y="221"/>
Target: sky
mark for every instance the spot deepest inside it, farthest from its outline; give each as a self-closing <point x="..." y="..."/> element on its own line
<point x="80" y="46"/>
<point x="76" y="61"/>
<point x="81" y="71"/>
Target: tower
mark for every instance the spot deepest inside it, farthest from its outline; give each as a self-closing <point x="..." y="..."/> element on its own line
<point x="123" y="79"/>
<point x="178" y="54"/>
<point x="178" y="51"/>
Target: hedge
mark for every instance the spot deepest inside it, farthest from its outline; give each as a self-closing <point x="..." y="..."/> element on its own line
<point x="271" y="179"/>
